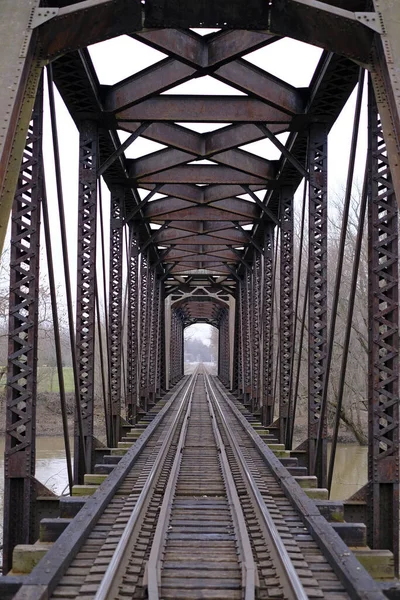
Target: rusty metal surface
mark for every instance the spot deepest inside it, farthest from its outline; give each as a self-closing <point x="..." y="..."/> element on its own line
<point x="286" y="313"/>
<point x="268" y="399"/>
<point x="115" y="306"/>
<point x="20" y="439"/>
<point x="318" y="294"/>
<point x="383" y="344"/>
<point x="86" y="283"/>
<point x="132" y="398"/>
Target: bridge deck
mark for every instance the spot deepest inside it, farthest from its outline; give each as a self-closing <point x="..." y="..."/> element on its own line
<point x="197" y="504"/>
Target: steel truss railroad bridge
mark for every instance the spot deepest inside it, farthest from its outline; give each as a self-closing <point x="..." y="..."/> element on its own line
<point x="206" y="226"/>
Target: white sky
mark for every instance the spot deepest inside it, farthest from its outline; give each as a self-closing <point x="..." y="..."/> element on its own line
<point x="289" y="60"/>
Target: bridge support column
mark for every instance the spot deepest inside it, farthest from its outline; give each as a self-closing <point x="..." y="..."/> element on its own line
<point x="160" y="373"/>
<point x="176" y="347"/>
<point x="318" y="296"/>
<point x="145" y="299"/>
<point x="386" y="81"/>
<point x="115" y="307"/>
<point x="223" y="348"/>
<point x="20" y="442"/>
<point x="86" y="291"/>
<point x="153" y="327"/>
<point x="286" y="319"/>
<point x="20" y="70"/>
<point x="383" y="356"/>
<point x="267" y="361"/>
<point x="255" y="315"/>
<point x="133" y="329"/>
<point x="238" y="383"/>
<point x="246" y="325"/>
<point x="236" y="350"/>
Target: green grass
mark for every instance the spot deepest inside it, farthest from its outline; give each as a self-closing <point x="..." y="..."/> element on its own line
<point x="48" y="380"/>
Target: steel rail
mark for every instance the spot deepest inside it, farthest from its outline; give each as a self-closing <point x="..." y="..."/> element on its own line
<point x="48" y="573"/>
<point x="122" y="552"/>
<point x="250" y="575"/>
<point x="153" y="569"/>
<point x="357" y="582"/>
<point x="290" y="581"/>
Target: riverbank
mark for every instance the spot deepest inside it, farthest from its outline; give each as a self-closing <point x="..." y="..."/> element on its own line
<point x="48" y="416"/>
<point x="49" y="421"/>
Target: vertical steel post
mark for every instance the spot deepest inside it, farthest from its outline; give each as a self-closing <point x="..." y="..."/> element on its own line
<point x="268" y="400"/>
<point x="172" y="349"/>
<point x="115" y="307"/>
<point x="225" y="336"/>
<point x="86" y="279"/>
<point x="176" y="352"/>
<point x="223" y="347"/>
<point x="318" y="296"/>
<point x="20" y="69"/>
<point x="133" y="329"/>
<point x="383" y="344"/>
<point x="144" y="291"/>
<point x="159" y="340"/>
<point x="152" y="326"/>
<point x="20" y="442"/>
<point x="247" y="358"/>
<point x="286" y="318"/>
<point x="161" y="380"/>
<point x="256" y="330"/>
<point x="236" y="346"/>
<point x="243" y="344"/>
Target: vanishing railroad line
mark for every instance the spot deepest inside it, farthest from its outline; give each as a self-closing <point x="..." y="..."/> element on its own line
<point x="199" y="513"/>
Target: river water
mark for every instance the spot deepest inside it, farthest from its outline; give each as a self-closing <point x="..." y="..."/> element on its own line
<point x="350" y="471"/>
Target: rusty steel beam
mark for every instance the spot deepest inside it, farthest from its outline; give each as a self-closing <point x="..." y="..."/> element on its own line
<point x="220" y="192"/>
<point x="231" y="237"/>
<point x="203" y="109"/>
<point x="193" y="49"/>
<point x="256" y="330"/>
<point x="237" y="364"/>
<point x="256" y="82"/>
<point x="223" y="347"/>
<point x="383" y="346"/>
<point x="204" y="194"/>
<point x="132" y="399"/>
<point x="247" y="343"/>
<point x="181" y="138"/>
<point x="84" y="23"/>
<point x="245" y="161"/>
<point x="207" y="213"/>
<point x="20" y="438"/>
<point x="268" y="399"/>
<point x="155" y="79"/>
<point x="187" y="46"/>
<point x="115" y="307"/>
<point x="286" y="313"/>
<point x="318" y="294"/>
<point x="145" y="300"/>
<point x="20" y="70"/>
<point x="159" y="161"/>
<point x="86" y="282"/>
<point x="252" y="14"/>
<point x="168" y="73"/>
<point x="213" y="174"/>
<point x="238" y="134"/>
<point x="317" y="23"/>
<point x="170" y="157"/>
<point x="152" y="328"/>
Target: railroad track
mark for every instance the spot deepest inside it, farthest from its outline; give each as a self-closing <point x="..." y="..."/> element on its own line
<point x="200" y="514"/>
